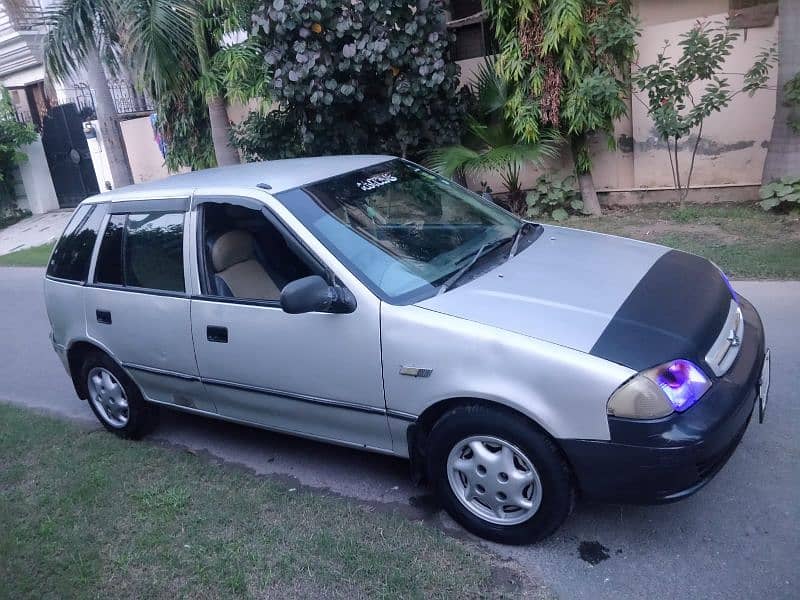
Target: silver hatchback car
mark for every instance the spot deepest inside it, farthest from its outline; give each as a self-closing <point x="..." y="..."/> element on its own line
<point x="365" y="301"/>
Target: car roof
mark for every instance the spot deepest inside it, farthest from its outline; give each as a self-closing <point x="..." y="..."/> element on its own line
<point x="279" y="175"/>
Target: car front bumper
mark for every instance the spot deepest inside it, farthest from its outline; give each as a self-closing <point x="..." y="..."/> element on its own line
<point x="667" y="459"/>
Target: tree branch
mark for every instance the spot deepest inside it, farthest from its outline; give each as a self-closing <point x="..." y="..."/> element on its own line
<point x="694" y="153"/>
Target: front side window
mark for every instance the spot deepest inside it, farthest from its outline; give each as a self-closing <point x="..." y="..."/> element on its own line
<point x="245" y="255"/>
<point x="73" y="253"/>
<point x="401" y="229"/>
<point x="142" y="250"/>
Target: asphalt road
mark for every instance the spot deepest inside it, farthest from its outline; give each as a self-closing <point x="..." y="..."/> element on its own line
<point x="737" y="538"/>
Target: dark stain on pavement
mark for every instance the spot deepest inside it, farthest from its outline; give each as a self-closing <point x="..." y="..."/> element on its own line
<point x="593" y="552"/>
<point x="426" y="503"/>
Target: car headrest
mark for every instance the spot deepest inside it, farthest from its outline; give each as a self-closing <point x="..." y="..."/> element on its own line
<point x="231" y="248"/>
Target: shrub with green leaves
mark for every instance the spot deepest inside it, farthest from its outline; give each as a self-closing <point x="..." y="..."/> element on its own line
<point x="683" y="91"/>
<point x="782" y="193"/>
<point x="356" y="76"/>
<point x="13" y="135"/>
<point x="553" y="199"/>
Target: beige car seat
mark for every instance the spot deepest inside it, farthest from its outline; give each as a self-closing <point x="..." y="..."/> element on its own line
<point x="234" y="260"/>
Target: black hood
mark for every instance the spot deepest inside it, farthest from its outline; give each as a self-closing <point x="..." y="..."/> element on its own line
<point x="675" y="311"/>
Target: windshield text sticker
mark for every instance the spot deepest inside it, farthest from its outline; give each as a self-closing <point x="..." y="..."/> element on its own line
<point x="376" y="181"/>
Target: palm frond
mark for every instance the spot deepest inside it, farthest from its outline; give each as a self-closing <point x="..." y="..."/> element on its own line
<point x="490" y="90"/>
<point x="449" y="160"/>
<point x="452" y="159"/>
<point x="159" y="41"/>
<point x="73" y="27"/>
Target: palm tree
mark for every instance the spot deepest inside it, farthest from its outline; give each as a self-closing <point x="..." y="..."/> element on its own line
<point x="783" y="153"/>
<point x="490" y="143"/>
<point x="172" y="46"/>
<point x="80" y="34"/>
<point x="166" y="45"/>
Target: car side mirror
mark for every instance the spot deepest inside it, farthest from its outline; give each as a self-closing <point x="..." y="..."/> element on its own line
<point x="313" y="294"/>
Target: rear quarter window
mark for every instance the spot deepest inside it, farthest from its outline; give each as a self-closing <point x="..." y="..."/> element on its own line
<point x="109" y="258"/>
<point x="73" y="253"/>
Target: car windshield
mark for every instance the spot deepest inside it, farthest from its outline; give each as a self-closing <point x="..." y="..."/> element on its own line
<point x="398" y="227"/>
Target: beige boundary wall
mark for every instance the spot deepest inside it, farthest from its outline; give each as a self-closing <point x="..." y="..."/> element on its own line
<point x="733" y="147"/>
<point x="144" y="156"/>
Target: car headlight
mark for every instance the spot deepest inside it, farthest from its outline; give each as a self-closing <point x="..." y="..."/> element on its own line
<point x="657" y="392"/>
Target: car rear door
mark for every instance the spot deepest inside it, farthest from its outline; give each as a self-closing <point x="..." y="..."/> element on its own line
<point x="314" y="374"/>
<point x="137" y="306"/>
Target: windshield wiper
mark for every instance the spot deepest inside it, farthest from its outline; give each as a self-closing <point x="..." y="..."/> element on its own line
<point x="460" y="273"/>
<point x="517" y="238"/>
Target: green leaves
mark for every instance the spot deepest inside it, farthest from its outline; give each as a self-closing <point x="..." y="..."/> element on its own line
<point x="563" y="58"/>
<point x="13" y="135"/>
<point x="671" y="86"/>
<point x="490" y="143"/>
<point x="160" y="42"/>
<point x="556" y="199"/>
<point x="668" y="83"/>
<point x="791" y="95"/>
<point x="355" y="77"/>
<point x="780" y="193"/>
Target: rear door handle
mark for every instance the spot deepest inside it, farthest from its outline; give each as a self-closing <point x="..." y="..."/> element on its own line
<point x="103" y="316"/>
<point x="214" y="333"/>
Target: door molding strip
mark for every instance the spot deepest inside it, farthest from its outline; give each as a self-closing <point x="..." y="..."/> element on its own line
<point x="277" y="393"/>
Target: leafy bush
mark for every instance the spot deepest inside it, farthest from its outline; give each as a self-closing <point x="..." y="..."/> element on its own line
<point x="13" y="135"/>
<point x="683" y="92"/>
<point x="781" y="193"/>
<point x="489" y="143"/>
<point x="791" y="95"/>
<point x="554" y="199"/>
<point x="11" y="215"/>
<point x="360" y="76"/>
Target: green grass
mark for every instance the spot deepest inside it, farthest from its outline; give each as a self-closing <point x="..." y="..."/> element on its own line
<point x="85" y="514"/>
<point x="745" y="241"/>
<point x="29" y="257"/>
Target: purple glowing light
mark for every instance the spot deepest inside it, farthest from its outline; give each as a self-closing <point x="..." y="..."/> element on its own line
<point x="682" y="382"/>
<point x="730" y="286"/>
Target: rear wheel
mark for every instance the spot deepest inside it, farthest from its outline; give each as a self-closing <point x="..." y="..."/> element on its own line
<point x="498" y="475"/>
<point x="115" y="399"/>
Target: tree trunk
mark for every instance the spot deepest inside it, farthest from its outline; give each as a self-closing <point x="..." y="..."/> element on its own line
<point x="783" y="153"/>
<point x="591" y="204"/>
<point x="220" y="132"/>
<point x="106" y="119"/>
<point x="217" y="113"/>
<point x="588" y="194"/>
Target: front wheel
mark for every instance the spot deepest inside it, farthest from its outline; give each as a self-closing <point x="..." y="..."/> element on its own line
<point x="498" y="475"/>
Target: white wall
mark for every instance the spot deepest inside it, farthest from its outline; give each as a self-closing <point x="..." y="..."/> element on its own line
<point x="40" y="195"/>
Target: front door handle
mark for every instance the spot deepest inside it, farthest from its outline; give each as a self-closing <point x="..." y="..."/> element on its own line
<point x="103" y="316"/>
<point x="214" y="333"/>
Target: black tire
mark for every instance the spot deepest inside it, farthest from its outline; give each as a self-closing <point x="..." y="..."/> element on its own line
<point x="142" y="416"/>
<point x="557" y="490"/>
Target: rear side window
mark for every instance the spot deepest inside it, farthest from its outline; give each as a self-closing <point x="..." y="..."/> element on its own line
<point x="153" y="251"/>
<point x="73" y="253"/>
<point x="143" y="250"/>
<point x="109" y="259"/>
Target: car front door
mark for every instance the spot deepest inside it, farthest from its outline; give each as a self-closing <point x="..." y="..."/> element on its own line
<point x="314" y="374"/>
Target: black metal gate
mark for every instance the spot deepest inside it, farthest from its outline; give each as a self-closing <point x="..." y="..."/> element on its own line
<point x="68" y="155"/>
